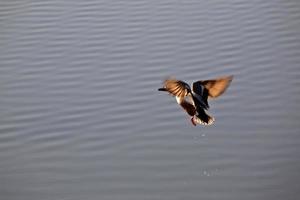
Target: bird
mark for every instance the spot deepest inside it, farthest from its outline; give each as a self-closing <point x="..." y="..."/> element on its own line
<point x="194" y="100"/>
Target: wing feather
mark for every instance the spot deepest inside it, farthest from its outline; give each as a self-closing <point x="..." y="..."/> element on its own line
<point x="176" y="87"/>
<point x="216" y="87"/>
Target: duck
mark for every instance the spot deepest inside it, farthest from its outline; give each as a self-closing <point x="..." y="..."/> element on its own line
<point x="194" y="99"/>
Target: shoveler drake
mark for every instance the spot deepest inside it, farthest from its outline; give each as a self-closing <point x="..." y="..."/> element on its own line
<point x="194" y="100"/>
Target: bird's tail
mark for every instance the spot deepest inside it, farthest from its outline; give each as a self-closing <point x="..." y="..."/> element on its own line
<point x="203" y="118"/>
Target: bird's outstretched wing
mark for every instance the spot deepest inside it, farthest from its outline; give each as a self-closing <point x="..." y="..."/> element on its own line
<point x="213" y="88"/>
<point x="176" y="87"/>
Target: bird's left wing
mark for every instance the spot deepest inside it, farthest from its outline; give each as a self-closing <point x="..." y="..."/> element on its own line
<point x="176" y="87"/>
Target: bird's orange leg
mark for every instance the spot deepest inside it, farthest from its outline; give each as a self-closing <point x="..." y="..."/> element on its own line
<point x="193" y="122"/>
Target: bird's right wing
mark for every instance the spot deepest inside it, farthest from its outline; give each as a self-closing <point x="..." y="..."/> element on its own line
<point x="176" y="87"/>
<point x="214" y="87"/>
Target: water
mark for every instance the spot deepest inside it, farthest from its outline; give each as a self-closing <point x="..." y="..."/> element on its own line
<point x="81" y="117"/>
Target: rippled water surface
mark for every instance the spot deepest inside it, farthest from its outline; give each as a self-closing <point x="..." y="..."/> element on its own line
<point x="81" y="117"/>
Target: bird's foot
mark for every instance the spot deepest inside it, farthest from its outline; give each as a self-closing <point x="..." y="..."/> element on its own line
<point x="193" y="122"/>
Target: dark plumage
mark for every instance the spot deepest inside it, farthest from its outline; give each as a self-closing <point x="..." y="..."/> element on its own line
<point x="194" y="100"/>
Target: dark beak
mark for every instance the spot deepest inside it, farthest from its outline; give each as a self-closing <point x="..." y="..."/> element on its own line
<point x="162" y="89"/>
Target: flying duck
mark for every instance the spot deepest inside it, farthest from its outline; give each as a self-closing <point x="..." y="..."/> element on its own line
<point x="194" y="100"/>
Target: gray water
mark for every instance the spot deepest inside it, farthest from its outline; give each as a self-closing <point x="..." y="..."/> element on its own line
<point x="81" y="117"/>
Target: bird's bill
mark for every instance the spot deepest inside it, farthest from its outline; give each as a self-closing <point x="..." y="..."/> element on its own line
<point x="162" y="89"/>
